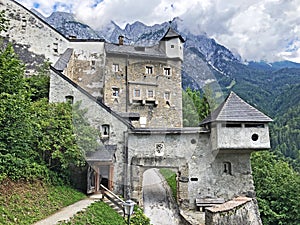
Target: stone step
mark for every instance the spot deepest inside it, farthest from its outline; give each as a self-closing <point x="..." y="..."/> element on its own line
<point x="113" y="205"/>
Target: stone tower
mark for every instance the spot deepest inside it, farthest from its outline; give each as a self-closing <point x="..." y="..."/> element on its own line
<point x="143" y="84"/>
<point x="172" y="44"/>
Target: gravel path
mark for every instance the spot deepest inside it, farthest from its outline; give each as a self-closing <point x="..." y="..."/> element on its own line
<point x="157" y="204"/>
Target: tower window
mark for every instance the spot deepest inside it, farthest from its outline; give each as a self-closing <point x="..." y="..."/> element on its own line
<point x="137" y="93"/>
<point x="115" y="92"/>
<point x="227" y="168"/>
<point x="167" y="71"/>
<point x="149" y="69"/>
<point x="172" y="46"/>
<point x="150" y="94"/>
<point x="105" y="130"/>
<point x="115" y="67"/>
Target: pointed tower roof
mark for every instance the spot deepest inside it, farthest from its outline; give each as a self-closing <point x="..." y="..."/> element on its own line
<point x="170" y="34"/>
<point x="235" y="109"/>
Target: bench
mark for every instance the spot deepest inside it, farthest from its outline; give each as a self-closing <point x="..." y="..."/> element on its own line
<point x="202" y="203"/>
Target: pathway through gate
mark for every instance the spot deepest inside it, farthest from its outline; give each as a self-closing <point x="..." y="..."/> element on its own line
<point x="157" y="204"/>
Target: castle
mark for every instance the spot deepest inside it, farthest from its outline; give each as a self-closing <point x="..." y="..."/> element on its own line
<point x="133" y="96"/>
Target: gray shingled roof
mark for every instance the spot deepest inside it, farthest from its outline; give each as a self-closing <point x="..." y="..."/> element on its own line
<point x="170" y="34"/>
<point x="134" y="50"/>
<point x="63" y="60"/>
<point x="235" y="109"/>
<point x="105" y="154"/>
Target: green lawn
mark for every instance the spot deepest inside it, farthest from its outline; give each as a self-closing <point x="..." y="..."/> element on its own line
<point x="170" y="177"/>
<point x="27" y="202"/>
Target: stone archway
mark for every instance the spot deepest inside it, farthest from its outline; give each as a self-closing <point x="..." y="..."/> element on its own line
<point x="140" y="165"/>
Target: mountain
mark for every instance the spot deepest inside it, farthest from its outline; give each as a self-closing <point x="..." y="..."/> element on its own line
<point x="205" y="60"/>
<point x="273" y="88"/>
<point x="69" y="26"/>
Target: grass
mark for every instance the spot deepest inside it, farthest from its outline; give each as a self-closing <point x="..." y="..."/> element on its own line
<point x="100" y="213"/>
<point x="97" y="213"/>
<point x="27" y="202"/>
<point x="170" y="177"/>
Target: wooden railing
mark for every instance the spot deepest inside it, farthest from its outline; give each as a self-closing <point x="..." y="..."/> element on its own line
<point x="112" y="197"/>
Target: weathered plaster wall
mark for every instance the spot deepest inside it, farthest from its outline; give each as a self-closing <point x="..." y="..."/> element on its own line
<point x="239" y="211"/>
<point x="214" y="182"/>
<point x="97" y="116"/>
<point x="28" y="30"/>
<point x="241" y="137"/>
<point x="86" y="67"/>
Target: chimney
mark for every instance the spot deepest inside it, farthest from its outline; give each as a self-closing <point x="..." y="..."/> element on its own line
<point x="121" y="40"/>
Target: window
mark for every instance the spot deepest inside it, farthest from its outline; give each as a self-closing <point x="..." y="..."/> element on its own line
<point x="167" y="71"/>
<point x="55" y="47"/>
<point x="93" y="64"/>
<point x="24" y="23"/>
<point x="150" y="94"/>
<point x="105" y="130"/>
<point x="167" y="96"/>
<point x="115" y="92"/>
<point x="232" y="125"/>
<point x="137" y="93"/>
<point x="255" y="125"/>
<point x="149" y="69"/>
<point x="227" y="168"/>
<point x="115" y="68"/>
<point x="69" y="99"/>
<point x="172" y="46"/>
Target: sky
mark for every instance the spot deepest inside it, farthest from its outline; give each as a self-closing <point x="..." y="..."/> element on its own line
<point x="259" y="30"/>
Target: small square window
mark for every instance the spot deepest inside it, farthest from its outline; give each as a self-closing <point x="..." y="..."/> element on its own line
<point x="172" y="46"/>
<point x="115" y="67"/>
<point x="69" y="99"/>
<point x="150" y="94"/>
<point x="167" y="71"/>
<point x="149" y="69"/>
<point x="136" y="93"/>
<point x="115" y="92"/>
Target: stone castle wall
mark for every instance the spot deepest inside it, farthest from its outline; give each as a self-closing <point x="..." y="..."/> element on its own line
<point x="30" y="32"/>
<point x="163" y="108"/>
<point x="97" y="116"/>
<point x="238" y="211"/>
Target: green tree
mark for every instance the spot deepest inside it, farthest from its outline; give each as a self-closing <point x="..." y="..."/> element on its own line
<point x="39" y="83"/>
<point x="196" y="106"/>
<point x="277" y="188"/>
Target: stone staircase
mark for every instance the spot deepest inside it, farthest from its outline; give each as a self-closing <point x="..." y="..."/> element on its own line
<point x="113" y="201"/>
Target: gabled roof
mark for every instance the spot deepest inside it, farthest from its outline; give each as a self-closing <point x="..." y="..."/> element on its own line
<point x="63" y="60"/>
<point x="170" y="34"/>
<point x="103" y="154"/>
<point x="235" y="109"/>
<point x="132" y="50"/>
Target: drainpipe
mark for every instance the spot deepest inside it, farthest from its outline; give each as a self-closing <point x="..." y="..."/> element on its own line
<point x="126" y="186"/>
<point x="126" y="83"/>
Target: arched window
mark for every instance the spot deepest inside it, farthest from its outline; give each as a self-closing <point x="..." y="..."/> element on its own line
<point x="69" y="99"/>
<point x="105" y="131"/>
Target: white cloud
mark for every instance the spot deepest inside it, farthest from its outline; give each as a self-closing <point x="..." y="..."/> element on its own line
<point x="257" y="29"/>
